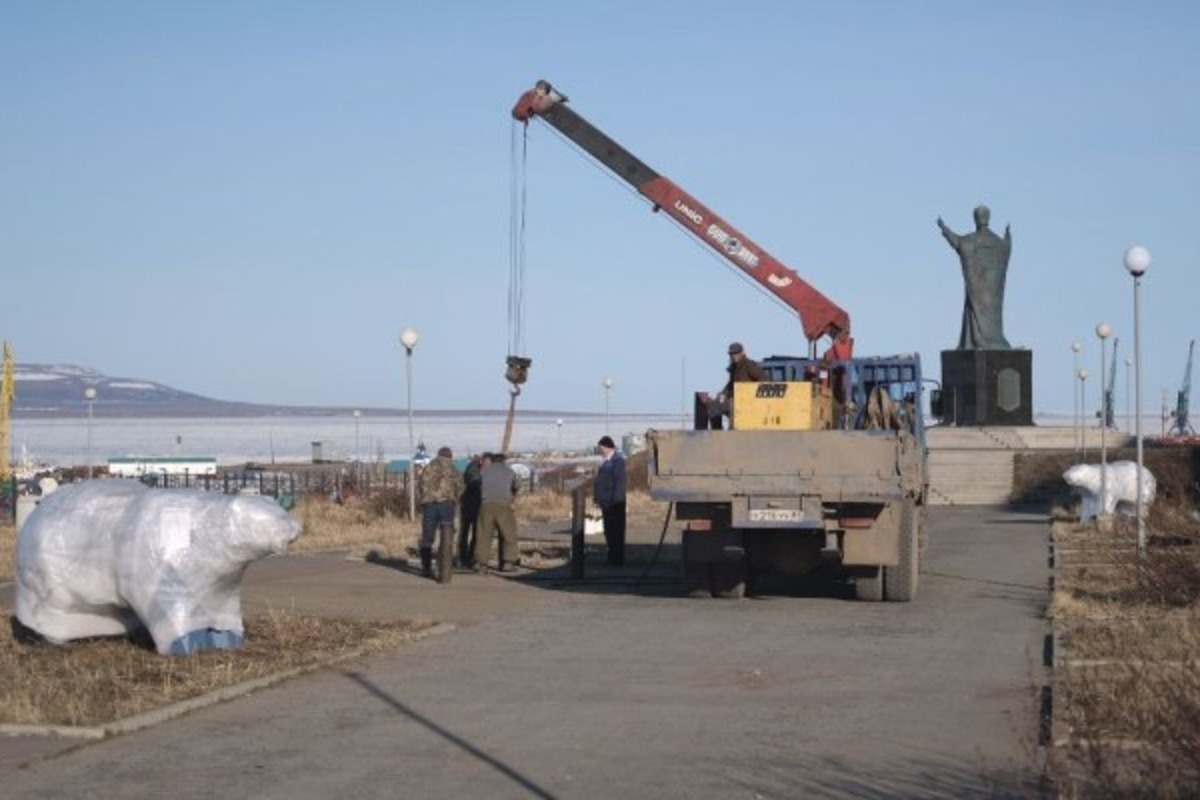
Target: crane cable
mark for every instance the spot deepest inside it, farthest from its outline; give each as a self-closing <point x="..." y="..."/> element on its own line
<point x="517" y="364"/>
<point x="519" y="147"/>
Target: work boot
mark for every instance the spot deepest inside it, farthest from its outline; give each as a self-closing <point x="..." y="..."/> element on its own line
<point x="426" y="562"/>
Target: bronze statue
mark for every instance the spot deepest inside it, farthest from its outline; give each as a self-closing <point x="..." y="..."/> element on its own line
<point x="984" y="257"/>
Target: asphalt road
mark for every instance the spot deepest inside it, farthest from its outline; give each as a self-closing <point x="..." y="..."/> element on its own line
<point x="597" y="692"/>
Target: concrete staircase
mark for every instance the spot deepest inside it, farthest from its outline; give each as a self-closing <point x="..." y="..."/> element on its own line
<point x="974" y="466"/>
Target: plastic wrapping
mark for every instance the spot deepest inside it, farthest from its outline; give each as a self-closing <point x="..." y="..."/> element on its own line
<point x="107" y="557"/>
<point x="1121" y="484"/>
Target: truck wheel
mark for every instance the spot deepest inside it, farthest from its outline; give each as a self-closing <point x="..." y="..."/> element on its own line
<point x="729" y="579"/>
<point x="697" y="582"/>
<point x="900" y="581"/>
<point x="870" y="589"/>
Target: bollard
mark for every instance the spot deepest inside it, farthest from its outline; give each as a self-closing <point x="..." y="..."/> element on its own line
<point x="578" y="507"/>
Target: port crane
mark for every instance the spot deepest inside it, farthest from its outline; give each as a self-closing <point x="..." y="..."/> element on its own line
<point x="7" y="393"/>
<point x="1108" y="411"/>
<point x="1182" y="426"/>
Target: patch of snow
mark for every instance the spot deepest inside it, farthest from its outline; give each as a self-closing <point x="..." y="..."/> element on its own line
<point x="38" y="376"/>
<point x="131" y="385"/>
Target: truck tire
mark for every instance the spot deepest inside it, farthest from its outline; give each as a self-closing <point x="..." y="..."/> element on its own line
<point x="697" y="582"/>
<point x="869" y="589"/>
<point x="729" y="579"/>
<point x="900" y="582"/>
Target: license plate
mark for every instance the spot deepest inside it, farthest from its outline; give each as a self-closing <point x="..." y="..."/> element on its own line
<point x="776" y="515"/>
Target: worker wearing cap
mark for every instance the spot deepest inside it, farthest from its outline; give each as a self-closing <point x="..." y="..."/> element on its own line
<point x="608" y="491"/>
<point x="741" y="369"/>
<point x="440" y="484"/>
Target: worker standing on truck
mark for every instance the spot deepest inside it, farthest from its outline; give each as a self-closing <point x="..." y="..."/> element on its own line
<point x="741" y="369"/>
<point x="608" y="491"/>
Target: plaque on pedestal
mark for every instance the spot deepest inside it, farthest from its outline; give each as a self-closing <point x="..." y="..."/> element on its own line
<point x="987" y="387"/>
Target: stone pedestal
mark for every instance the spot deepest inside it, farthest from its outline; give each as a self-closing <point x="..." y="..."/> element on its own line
<point x="987" y="387"/>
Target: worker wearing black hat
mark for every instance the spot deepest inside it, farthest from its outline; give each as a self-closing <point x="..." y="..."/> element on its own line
<point x="608" y="491"/>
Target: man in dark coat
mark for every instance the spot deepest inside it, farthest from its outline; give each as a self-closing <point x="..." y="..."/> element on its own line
<point x="472" y="499"/>
<point x="609" y="493"/>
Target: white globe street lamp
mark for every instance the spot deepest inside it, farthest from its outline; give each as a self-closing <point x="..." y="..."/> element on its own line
<point x="559" y="423"/>
<point x="89" y="394"/>
<point x="1075" y="422"/>
<point x="408" y="338"/>
<point x="1137" y="261"/>
<point x="607" y="383"/>
<point x="1103" y="331"/>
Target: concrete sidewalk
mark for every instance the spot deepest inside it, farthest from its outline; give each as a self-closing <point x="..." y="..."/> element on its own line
<point x="338" y="587"/>
<point x="551" y="689"/>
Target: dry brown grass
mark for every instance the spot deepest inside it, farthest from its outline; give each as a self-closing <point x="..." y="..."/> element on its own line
<point x="102" y="680"/>
<point x="552" y="506"/>
<point x="8" y="551"/>
<point x="1127" y="687"/>
<point x="357" y="528"/>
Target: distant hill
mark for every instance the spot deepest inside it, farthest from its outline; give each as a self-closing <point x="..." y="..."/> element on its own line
<point x="57" y="390"/>
<point x="52" y="390"/>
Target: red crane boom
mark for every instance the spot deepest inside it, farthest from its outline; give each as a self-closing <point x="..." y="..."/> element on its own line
<point x="819" y="316"/>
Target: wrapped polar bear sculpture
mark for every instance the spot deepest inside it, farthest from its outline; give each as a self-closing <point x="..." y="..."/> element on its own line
<point x="1121" y="485"/>
<point x="109" y="557"/>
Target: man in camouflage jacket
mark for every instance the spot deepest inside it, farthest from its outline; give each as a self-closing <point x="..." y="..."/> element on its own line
<point x="439" y="487"/>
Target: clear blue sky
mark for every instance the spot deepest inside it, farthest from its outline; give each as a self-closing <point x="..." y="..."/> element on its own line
<point x="249" y="199"/>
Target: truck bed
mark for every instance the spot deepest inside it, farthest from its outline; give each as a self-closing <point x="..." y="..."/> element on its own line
<point x="837" y="466"/>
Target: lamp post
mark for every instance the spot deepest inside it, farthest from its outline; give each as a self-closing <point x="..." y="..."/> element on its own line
<point x="408" y="338"/>
<point x="1128" y="403"/>
<point x="1103" y="331"/>
<point x="1083" y="376"/>
<point x="559" y="423"/>
<point x="1075" y="348"/>
<point x="357" y="417"/>
<point x="89" y="394"/>
<point x="607" y="383"/>
<point x="1137" y="261"/>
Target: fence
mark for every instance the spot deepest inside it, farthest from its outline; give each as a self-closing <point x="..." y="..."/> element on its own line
<point x="338" y="483"/>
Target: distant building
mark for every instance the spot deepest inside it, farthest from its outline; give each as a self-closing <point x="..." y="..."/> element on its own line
<point x="134" y="467"/>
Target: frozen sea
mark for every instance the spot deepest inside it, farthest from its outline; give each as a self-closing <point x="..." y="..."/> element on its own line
<point x="288" y="439"/>
<point x="236" y="440"/>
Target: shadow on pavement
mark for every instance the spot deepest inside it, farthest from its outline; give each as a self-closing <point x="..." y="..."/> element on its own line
<point x="653" y="571"/>
<point x="919" y="778"/>
<point x="458" y="741"/>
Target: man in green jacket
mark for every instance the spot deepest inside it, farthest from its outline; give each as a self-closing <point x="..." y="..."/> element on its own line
<point x="439" y="486"/>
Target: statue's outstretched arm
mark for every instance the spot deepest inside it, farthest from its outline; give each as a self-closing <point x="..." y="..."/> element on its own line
<point x="950" y="235"/>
